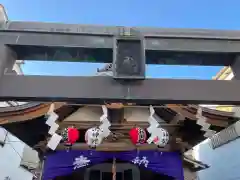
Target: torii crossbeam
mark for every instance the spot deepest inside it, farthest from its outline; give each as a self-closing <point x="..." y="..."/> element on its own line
<point x="51" y="41"/>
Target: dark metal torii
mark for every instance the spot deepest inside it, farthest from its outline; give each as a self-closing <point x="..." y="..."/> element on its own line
<point x="129" y="49"/>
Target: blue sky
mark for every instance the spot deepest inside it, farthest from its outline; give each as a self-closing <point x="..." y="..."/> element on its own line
<point x="213" y="14"/>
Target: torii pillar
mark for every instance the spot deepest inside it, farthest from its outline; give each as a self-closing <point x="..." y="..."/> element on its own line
<point x="236" y="68"/>
<point x="7" y="59"/>
<point x="7" y="56"/>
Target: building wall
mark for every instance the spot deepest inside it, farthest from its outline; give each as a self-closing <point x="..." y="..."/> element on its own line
<point x="12" y="150"/>
<point x="17" y="67"/>
<point x="225" y="74"/>
<point x="10" y="158"/>
<point x="224" y="161"/>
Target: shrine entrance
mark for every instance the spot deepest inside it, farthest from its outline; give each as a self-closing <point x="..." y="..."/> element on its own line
<point x="128" y="50"/>
<point x="124" y="171"/>
<point x="99" y="165"/>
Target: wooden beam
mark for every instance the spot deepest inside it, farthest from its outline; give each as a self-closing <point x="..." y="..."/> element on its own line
<point x="124" y="145"/>
<point x="28" y="114"/>
<point x="212" y="113"/>
<point x="191" y="116"/>
<point x="83" y="89"/>
<point x="177" y="119"/>
<point x="120" y="127"/>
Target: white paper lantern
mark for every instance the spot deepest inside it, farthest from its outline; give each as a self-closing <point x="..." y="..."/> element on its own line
<point x="94" y="137"/>
<point x="162" y="137"/>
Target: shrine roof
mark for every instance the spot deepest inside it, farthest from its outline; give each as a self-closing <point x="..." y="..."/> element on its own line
<point x="31" y="118"/>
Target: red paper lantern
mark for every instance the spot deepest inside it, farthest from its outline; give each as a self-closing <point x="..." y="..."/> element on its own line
<point x="73" y="135"/>
<point x="70" y="135"/>
<point x="138" y="135"/>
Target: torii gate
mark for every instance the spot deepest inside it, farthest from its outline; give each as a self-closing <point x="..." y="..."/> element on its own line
<point x="129" y="49"/>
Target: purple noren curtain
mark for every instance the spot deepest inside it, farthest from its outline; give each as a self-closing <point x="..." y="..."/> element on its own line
<point x="63" y="162"/>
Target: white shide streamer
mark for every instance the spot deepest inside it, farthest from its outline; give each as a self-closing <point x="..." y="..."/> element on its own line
<point x="51" y="121"/>
<point x="105" y="122"/>
<point x="158" y="135"/>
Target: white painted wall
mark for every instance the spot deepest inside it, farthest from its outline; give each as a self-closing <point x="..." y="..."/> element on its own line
<point x="12" y="150"/>
<point x="224" y="161"/>
<point x="17" y="67"/>
<point x="3" y="14"/>
<point x="10" y="158"/>
<point x="230" y="76"/>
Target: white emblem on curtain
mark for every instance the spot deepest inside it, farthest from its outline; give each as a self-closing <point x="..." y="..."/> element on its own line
<point x="141" y="161"/>
<point x="81" y="161"/>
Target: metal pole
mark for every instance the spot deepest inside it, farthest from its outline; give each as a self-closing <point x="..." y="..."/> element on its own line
<point x="114" y="169"/>
<point x="42" y="169"/>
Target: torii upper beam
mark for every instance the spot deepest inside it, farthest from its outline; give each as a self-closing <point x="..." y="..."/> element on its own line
<point x="42" y="41"/>
<point x="51" y="41"/>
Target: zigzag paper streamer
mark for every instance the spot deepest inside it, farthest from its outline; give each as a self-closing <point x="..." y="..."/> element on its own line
<point x="51" y="121"/>
<point x="105" y="122"/>
<point x="199" y="113"/>
<point x="152" y="129"/>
